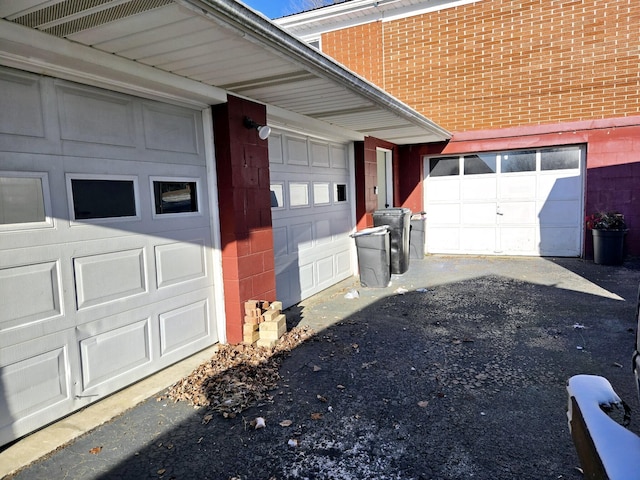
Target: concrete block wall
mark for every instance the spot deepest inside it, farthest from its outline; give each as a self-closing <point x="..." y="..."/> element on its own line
<point x="244" y="197"/>
<point x="502" y="63"/>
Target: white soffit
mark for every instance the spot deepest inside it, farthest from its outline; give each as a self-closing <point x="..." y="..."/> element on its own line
<point x="197" y="51"/>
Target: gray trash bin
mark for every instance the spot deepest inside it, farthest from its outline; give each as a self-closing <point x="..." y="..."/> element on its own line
<point x="372" y="245"/>
<point x="398" y="220"/>
<point x="417" y="236"/>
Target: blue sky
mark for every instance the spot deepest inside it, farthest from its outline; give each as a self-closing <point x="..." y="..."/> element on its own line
<point x="270" y="8"/>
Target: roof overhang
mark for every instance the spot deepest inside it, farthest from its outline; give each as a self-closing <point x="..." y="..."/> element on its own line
<point x="311" y="23"/>
<point x="196" y="52"/>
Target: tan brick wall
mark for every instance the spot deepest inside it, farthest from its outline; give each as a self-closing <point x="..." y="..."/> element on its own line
<point x="505" y="63"/>
<point x="360" y="48"/>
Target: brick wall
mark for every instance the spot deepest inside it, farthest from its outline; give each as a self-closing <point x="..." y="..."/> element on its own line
<point x="359" y="48"/>
<point x="502" y="63"/>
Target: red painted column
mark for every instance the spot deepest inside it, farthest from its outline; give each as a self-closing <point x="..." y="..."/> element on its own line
<point x="366" y="171"/>
<point x="244" y="199"/>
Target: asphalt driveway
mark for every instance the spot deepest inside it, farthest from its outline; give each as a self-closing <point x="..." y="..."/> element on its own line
<point x="457" y="370"/>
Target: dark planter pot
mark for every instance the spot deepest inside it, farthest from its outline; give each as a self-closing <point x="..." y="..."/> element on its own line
<point x="608" y="246"/>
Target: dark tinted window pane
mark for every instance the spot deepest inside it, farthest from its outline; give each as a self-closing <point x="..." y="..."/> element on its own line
<point x="524" y="161"/>
<point x="175" y="197"/>
<point x="559" y="158"/>
<point x="478" y="164"/>
<point x="103" y="198"/>
<point x="443" y="167"/>
<point x="341" y="192"/>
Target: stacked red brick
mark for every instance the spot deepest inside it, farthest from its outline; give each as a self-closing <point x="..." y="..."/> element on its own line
<point x="264" y="323"/>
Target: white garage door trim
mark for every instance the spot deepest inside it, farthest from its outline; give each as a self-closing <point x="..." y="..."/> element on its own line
<point x="527" y="202"/>
<point x="312" y="213"/>
<point x="96" y="300"/>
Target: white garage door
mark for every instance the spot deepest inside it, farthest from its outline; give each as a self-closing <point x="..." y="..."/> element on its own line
<point x="311" y="214"/>
<point x="507" y="203"/>
<point x="105" y="245"/>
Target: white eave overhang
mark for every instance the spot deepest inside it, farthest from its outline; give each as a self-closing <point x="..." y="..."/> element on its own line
<point x="196" y="52"/>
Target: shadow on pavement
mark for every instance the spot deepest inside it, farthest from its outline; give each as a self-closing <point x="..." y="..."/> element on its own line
<point x="463" y="376"/>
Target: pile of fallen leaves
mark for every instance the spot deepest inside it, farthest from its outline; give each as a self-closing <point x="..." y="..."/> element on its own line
<point x="237" y="376"/>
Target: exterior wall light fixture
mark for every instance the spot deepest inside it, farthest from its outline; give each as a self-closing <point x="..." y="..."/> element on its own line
<point x="263" y="130"/>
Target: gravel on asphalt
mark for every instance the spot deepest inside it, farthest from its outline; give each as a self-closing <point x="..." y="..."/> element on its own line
<point x="461" y="377"/>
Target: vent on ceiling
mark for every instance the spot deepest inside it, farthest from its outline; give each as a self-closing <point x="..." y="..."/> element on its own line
<point x="72" y="16"/>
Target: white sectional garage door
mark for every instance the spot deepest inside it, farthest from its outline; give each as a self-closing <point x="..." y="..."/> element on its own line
<point x="311" y="214"/>
<point x="105" y="245"/>
<point x="507" y="203"/>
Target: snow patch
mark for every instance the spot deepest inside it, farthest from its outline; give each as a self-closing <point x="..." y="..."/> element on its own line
<point x="619" y="449"/>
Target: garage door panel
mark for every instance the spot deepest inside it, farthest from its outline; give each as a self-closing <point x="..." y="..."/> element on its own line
<point x="560" y="213"/>
<point x="443" y="190"/>
<point x="479" y="213"/>
<point x="559" y="241"/>
<point x="79" y="119"/>
<point x="300" y="237"/>
<point x="109" y="277"/>
<point x="478" y="239"/>
<point x="325" y="269"/>
<point x="295" y="149"/>
<point x="517" y="186"/>
<point x="444" y="214"/>
<point x="307" y="280"/>
<point x="560" y="187"/>
<point x="340" y="226"/>
<point x="183" y="326"/>
<point x="180" y="262"/>
<point x="170" y="129"/>
<point x="280" y="241"/>
<point x="518" y="239"/>
<point x="22" y="103"/>
<point x="319" y="154"/>
<point x="275" y="148"/>
<point x="518" y="213"/>
<point x="343" y="263"/>
<point x="338" y="157"/>
<point x="323" y="233"/>
<point x="479" y="188"/>
<point x="35" y="381"/>
<point x="443" y="239"/>
<point x="108" y="354"/>
<point x="30" y="293"/>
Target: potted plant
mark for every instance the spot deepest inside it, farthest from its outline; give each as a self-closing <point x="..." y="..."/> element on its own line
<point x="609" y="229"/>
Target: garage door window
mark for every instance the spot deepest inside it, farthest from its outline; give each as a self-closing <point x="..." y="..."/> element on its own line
<point x="24" y="200"/>
<point x="103" y="198"/>
<point x="299" y="194"/>
<point x="277" y="195"/>
<point x="559" y="158"/>
<point x="523" y="161"/>
<point x="545" y="159"/>
<point x="478" y="164"/>
<point x="444" y="167"/>
<point x="175" y="196"/>
<point x="321" y="193"/>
